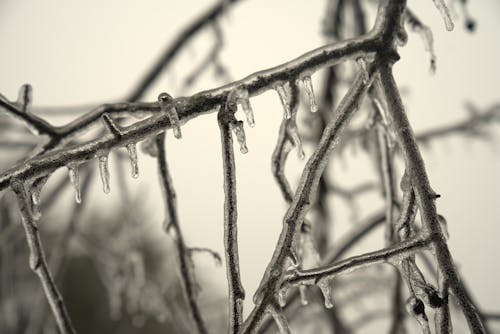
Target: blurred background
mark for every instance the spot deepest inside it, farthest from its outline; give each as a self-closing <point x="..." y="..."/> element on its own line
<point x="119" y="270"/>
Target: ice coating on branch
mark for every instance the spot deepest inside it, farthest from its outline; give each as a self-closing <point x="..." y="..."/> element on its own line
<point x="104" y="171"/>
<point x="285" y="93"/>
<point x="445" y="14"/>
<point x="74" y="178"/>
<point x="35" y="204"/>
<point x="280" y="320"/>
<point x="364" y="71"/>
<point x="295" y="137"/>
<point x="134" y="165"/>
<point x="25" y="97"/>
<point x="325" y="285"/>
<point x="164" y="99"/>
<point x="238" y="130"/>
<point x="308" y="86"/>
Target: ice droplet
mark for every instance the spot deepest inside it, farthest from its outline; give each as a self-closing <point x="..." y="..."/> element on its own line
<point x="284" y="94"/>
<point x="104" y="171"/>
<point x="295" y="137"/>
<point x="325" y="285"/>
<point x="280" y="320"/>
<point x="74" y="178"/>
<point x="134" y="165"/>
<point x="445" y="14"/>
<point x="164" y="99"/>
<point x="308" y="86"/>
<point x="238" y="130"/>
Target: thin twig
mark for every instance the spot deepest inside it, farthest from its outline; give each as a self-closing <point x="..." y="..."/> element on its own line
<point x="236" y="291"/>
<point x="37" y="260"/>
<point x="173" y="224"/>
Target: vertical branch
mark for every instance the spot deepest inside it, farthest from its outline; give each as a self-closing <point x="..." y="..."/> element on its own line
<point x="425" y="196"/>
<point x="37" y="260"/>
<point x="173" y="223"/>
<point x="236" y="291"/>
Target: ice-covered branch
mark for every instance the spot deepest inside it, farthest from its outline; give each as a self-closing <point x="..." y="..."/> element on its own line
<point x="37" y="261"/>
<point x="235" y="287"/>
<point x="172" y="227"/>
<point x="425" y="196"/>
<point x="393" y="253"/>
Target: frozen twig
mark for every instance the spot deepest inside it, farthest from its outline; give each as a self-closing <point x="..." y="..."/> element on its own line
<point x="37" y="259"/>
<point x="236" y="291"/>
<point x="173" y="224"/>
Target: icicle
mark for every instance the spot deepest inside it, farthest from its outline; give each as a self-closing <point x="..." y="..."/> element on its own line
<point x="241" y="96"/>
<point x="148" y="146"/>
<point x="325" y="285"/>
<point x="103" y="169"/>
<point x="132" y="153"/>
<point x="445" y="14"/>
<point x="303" y="295"/>
<point x="280" y="320"/>
<point x="364" y="72"/>
<point x="74" y="178"/>
<point x="25" y="97"/>
<point x="308" y="86"/>
<point x="425" y="34"/>
<point x="238" y="130"/>
<point x="444" y="226"/>
<point x="282" y="293"/>
<point x="164" y="99"/>
<point x="297" y="142"/>
<point x="284" y="94"/>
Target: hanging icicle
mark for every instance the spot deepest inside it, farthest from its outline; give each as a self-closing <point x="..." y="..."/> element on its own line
<point x="74" y="178"/>
<point x="285" y="94"/>
<point x="164" y="99"/>
<point x="241" y="96"/>
<point x="425" y="34"/>
<point x="325" y="285"/>
<point x="237" y="128"/>
<point x="134" y="165"/>
<point x="308" y="86"/>
<point x="104" y="171"/>
<point x="445" y="14"/>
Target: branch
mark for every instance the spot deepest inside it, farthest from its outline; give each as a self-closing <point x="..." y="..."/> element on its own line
<point x="236" y="291"/>
<point x="398" y="251"/>
<point x="425" y="195"/>
<point x="187" y="108"/>
<point x="173" y="224"/>
<point x="37" y="260"/>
